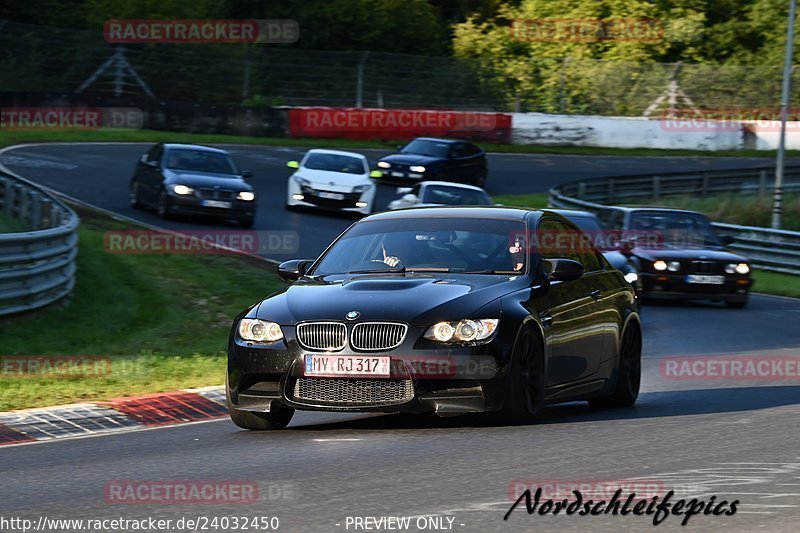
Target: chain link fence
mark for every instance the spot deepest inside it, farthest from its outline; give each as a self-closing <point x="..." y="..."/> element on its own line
<point x="40" y="59"/>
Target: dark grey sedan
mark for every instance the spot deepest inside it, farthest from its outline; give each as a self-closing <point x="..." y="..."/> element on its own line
<point x="190" y="179"/>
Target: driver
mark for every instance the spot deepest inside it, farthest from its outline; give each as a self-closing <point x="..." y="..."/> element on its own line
<point x="397" y="248"/>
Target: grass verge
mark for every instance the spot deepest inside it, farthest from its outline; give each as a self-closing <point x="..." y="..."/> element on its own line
<point x="776" y="283"/>
<point x="11" y="137"/>
<point x="161" y="320"/>
<point x="744" y="210"/>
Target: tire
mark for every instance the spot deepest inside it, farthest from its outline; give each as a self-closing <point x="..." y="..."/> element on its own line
<point x="629" y="371"/>
<point x="163" y="209"/>
<point x="525" y="381"/>
<point x="480" y="181"/>
<point x="257" y="421"/>
<point x="135" y="198"/>
<point x="246" y="222"/>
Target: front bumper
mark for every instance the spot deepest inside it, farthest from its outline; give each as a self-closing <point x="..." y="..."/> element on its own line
<point x="674" y="287"/>
<point x="401" y="177"/>
<point x="347" y="201"/>
<point x="191" y="205"/>
<point x="424" y="378"/>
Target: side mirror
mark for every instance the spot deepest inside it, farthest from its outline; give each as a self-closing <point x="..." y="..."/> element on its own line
<point x="152" y="164"/>
<point x="399" y="147"/>
<point x="726" y="240"/>
<point x="294" y="269"/>
<point x="564" y="270"/>
<point x="376" y="174"/>
<point x="293" y="164"/>
<point x="403" y="190"/>
<point x="247" y="174"/>
<point x="410" y="198"/>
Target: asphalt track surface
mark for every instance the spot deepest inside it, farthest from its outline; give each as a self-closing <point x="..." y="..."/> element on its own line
<point x="736" y="439"/>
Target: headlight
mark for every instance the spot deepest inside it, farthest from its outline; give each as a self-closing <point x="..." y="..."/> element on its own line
<point x="737" y="268"/>
<point x="631" y="277"/>
<point x="252" y="329"/>
<point x="182" y="189"/>
<point x="462" y="330"/>
<point x="417" y="168"/>
<point x="361" y="188"/>
<point x="302" y="181"/>
<point x="384" y="164"/>
<point x="660" y="265"/>
<point x="246" y="196"/>
<point x="674" y="266"/>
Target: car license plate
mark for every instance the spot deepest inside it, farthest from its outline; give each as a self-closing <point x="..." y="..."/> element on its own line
<point x="346" y="365"/>
<point x="397" y="174"/>
<point x="331" y="195"/>
<point x="216" y="203"/>
<point x="708" y="280"/>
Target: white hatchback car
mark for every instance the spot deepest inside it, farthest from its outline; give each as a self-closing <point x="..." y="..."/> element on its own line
<point x="440" y="193"/>
<point x="332" y="180"/>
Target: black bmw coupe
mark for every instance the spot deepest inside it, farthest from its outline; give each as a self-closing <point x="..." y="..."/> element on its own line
<point x="445" y="309"/>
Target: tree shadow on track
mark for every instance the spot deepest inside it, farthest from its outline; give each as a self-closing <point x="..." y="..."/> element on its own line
<point x="650" y="405"/>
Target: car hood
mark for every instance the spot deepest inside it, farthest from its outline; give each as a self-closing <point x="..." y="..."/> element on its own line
<point x="413" y="298"/>
<point x="411" y="159"/>
<point x="666" y="252"/>
<point x="327" y="177"/>
<point x="201" y="179"/>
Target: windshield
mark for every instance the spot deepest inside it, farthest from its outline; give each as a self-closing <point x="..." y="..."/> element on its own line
<point x="335" y="163"/>
<point x="686" y="230"/>
<point x="425" y="147"/>
<point x="434" y="244"/>
<point x="201" y="161"/>
<point x="442" y="194"/>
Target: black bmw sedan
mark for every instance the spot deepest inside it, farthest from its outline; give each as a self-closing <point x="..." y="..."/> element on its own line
<point x="429" y="159"/>
<point x="190" y="179"/>
<point x="679" y="255"/>
<point x="444" y="309"/>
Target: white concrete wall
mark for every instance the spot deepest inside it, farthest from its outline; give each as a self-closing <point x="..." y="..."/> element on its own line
<point x="765" y="135"/>
<point x="625" y="132"/>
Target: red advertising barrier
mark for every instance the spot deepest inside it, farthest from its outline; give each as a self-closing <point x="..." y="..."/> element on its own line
<point x="355" y="123"/>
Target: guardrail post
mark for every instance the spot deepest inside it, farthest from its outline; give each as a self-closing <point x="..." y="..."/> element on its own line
<point x="610" y="191"/>
<point x="656" y="187"/>
<point x="704" y="184"/>
<point x="12" y="208"/>
<point x="36" y="212"/>
<point x="762" y="183"/>
<point x="47" y="213"/>
<point x="581" y="189"/>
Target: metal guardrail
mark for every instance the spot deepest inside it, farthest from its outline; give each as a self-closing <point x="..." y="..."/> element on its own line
<point x="769" y="249"/>
<point x="37" y="266"/>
